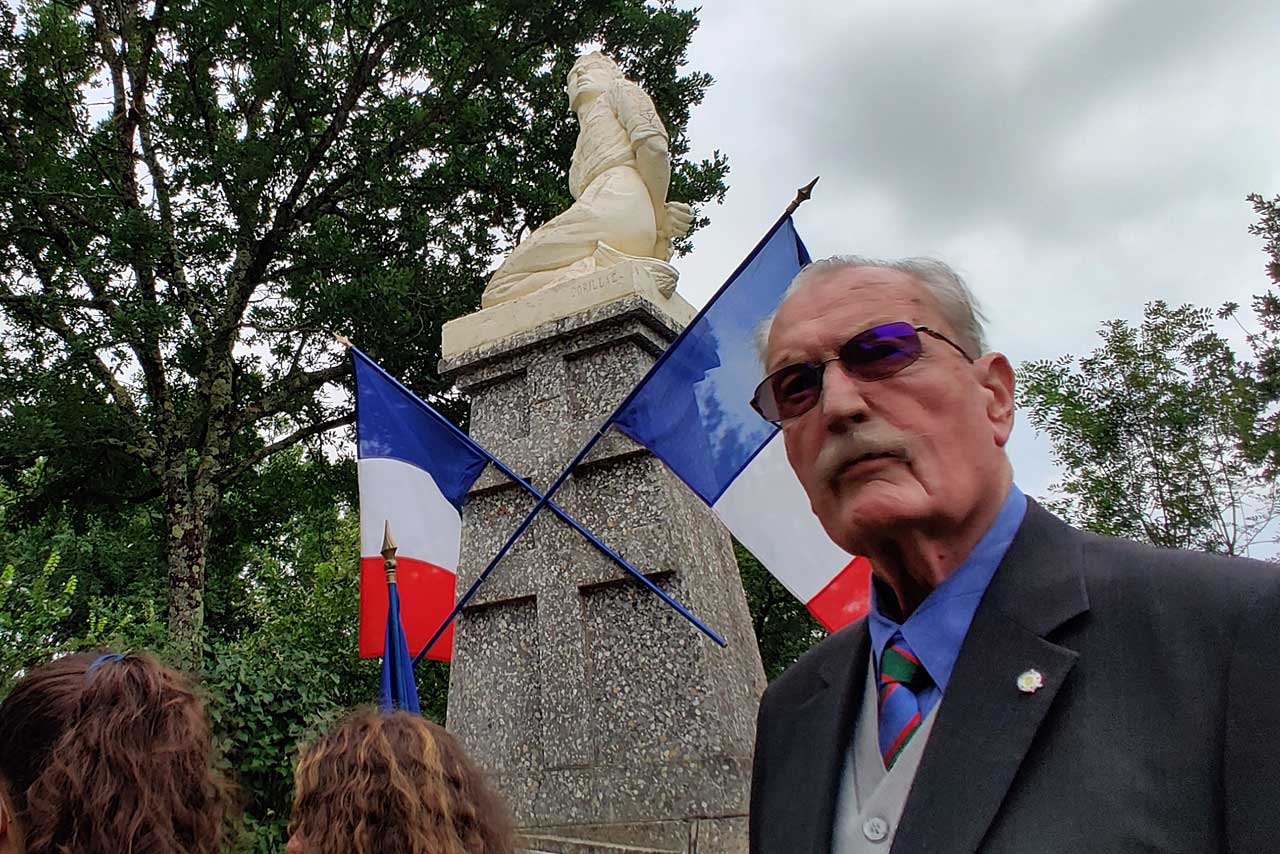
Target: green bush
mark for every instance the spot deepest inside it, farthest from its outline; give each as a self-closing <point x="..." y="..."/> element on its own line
<point x="32" y="609"/>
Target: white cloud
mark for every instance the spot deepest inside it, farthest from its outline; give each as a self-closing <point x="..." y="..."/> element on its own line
<point x="1074" y="159"/>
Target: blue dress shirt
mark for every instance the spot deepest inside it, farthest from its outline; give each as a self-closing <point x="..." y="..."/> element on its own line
<point x="936" y="629"/>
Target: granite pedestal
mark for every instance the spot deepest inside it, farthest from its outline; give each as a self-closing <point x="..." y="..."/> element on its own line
<point x="605" y="718"/>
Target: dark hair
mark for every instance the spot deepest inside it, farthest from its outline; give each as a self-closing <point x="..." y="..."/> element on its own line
<point x="395" y="782"/>
<point x="110" y="753"/>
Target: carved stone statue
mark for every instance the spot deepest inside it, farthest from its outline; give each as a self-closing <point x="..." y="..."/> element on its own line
<point x="619" y="176"/>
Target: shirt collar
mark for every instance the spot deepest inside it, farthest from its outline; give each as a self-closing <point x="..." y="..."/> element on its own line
<point x="936" y="629"/>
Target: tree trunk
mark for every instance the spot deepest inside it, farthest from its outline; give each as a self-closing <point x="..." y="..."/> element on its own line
<point x="187" y="544"/>
<point x="192" y="494"/>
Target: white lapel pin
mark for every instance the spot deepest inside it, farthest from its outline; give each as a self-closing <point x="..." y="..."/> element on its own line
<point x="1030" y="681"/>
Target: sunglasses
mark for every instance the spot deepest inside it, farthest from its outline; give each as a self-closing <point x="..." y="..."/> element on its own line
<point x="874" y="354"/>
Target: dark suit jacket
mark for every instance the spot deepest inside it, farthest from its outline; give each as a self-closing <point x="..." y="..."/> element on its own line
<point x="1157" y="729"/>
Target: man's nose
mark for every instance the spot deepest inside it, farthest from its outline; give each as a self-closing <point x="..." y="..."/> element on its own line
<point x="843" y="403"/>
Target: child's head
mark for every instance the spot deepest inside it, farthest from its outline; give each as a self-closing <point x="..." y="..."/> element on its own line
<point x="107" y="753"/>
<point x="394" y="782"/>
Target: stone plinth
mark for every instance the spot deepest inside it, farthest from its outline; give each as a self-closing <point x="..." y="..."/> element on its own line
<point x="559" y="303"/>
<point x="603" y="715"/>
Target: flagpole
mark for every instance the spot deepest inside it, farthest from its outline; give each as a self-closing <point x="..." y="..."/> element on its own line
<point x="802" y="195"/>
<point x="544" y="500"/>
<point x="389" y="549"/>
<point x="398" y="690"/>
<point x="515" y="535"/>
<point x="555" y="508"/>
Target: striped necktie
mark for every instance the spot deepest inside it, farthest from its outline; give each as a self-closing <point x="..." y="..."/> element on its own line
<point x="901" y="678"/>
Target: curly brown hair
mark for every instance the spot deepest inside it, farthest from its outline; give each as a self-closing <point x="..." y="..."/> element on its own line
<point x="110" y="753"/>
<point x="394" y="782"/>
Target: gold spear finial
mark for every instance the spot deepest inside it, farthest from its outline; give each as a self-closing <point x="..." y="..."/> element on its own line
<point x="802" y="196"/>
<point x="343" y="340"/>
<point x="388" y="552"/>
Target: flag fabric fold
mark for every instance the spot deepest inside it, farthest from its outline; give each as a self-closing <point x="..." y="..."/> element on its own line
<point x="398" y="691"/>
<point x="693" y="412"/>
<point x="414" y="473"/>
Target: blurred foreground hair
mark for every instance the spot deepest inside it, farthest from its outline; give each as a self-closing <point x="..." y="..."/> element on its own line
<point x="394" y="782"/>
<point x="110" y="753"/>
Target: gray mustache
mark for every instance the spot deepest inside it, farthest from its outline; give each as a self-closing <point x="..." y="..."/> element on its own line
<point x="841" y="450"/>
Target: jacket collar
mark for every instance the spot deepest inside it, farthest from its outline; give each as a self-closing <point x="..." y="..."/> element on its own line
<point x="986" y="722"/>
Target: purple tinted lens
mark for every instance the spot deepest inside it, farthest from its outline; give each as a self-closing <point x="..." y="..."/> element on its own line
<point x="881" y="351"/>
<point x="795" y="389"/>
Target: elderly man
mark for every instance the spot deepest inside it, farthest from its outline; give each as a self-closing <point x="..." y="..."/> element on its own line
<point x="1019" y="686"/>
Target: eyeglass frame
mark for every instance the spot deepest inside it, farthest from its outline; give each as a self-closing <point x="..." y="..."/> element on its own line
<point x="819" y="368"/>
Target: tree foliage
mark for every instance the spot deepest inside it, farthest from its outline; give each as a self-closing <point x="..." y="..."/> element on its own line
<point x="1156" y="433"/>
<point x="31" y="611"/>
<point x="194" y="195"/>
<point x="1265" y="339"/>
<point x="784" y="628"/>
<point x="296" y="670"/>
<point x="1268" y="228"/>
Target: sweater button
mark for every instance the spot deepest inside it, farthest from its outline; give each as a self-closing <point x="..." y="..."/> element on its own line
<point x="875" y="829"/>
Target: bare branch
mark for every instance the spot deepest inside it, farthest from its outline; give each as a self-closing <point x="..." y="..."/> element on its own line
<point x="283" y="222"/>
<point x="324" y="201"/>
<point x="278" y="397"/>
<point x="81" y="350"/>
<point x="172" y="268"/>
<point x="315" y="429"/>
<point x="33" y="302"/>
<point x="374" y="50"/>
<point x="140" y="74"/>
<point x="47" y="226"/>
<point x="204" y="95"/>
<point x="276" y="330"/>
<point x="114" y="64"/>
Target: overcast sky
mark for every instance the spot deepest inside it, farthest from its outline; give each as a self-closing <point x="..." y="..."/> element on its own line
<point x="1074" y="159"/>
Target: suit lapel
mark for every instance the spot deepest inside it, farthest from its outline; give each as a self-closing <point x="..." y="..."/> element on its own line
<point x="819" y="737"/>
<point x="985" y="724"/>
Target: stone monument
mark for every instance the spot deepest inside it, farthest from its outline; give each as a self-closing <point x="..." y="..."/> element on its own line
<point x="606" y="719"/>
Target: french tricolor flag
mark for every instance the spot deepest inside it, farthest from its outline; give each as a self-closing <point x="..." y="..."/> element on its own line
<point x="414" y="472"/>
<point x="693" y="412"/>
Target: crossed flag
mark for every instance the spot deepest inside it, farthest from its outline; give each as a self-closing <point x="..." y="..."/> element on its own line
<point x="691" y="410"/>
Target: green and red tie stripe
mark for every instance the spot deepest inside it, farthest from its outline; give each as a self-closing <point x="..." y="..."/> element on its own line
<point x="900" y="680"/>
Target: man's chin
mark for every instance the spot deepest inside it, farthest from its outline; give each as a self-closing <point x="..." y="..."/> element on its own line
<point x="870" y="512"/>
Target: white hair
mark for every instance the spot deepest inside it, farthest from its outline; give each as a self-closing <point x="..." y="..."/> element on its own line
<point x="956" y="302"/>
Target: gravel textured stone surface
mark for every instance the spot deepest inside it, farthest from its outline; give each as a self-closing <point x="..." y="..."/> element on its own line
<point x="601" y="712"/>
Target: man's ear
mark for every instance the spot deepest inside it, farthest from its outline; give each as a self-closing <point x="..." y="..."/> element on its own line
<point x="996" y="376"/>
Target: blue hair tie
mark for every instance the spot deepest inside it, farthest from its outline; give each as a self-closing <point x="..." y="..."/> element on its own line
<point x="100" y="660"/>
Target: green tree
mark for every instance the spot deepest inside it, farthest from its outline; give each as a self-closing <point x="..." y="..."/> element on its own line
<point x="30" y="615"/>
<point x="286" y="668"/>
<point x="1154" y="432"/>
<point x="784" y="628"/>
<point x="1268" y="228"/>
<point x="194" y="195"/>
<point x="1265" y="339"/>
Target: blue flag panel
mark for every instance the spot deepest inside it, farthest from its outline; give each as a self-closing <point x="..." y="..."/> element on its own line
<point x="391" y="422"/>
<point x="694" y="411"/>
<point x="398" y="689"/>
